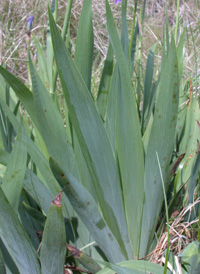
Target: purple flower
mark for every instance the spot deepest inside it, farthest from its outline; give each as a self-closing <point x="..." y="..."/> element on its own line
<point x="117" y="1"/>
<point x="29" y="24"/>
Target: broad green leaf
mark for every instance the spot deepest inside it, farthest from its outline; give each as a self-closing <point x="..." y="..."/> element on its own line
<point x="39" y="159"/>
<point x="161" y="139"/>
<point x="29" y="225"/>
<point x="83" y="58"/>
<point x="4" y="137"/>
<point x="164" y="51"/>
<point x="195" y="264"/>
<point x="87" y="209"/>
<point x="3" y="92"/>
<point x="111" y="111"/>
<point x="50" y="125"/>
<point x="16" y="240"/>
<point x="93" y="139"/>
<point x="104" y="86"/>
<point x="84" y="43"/>
<point x="7" y="132"/>
<point x="189" y="251"/>
<point x="147" y="133"/>
<point x="133" y="45"/>
<point x="53" y="246"/>
<point x="9" y="263"/>
<point x="194" y="178"/>
<point x="180" y="53"/>
<point x="124" y="34"/>
<point x="132" y="267"/>
<point x="68" y="124"/>
<point x="49" y="51"/>
<point x="43" y="166"/>
<point x="153" y="97"/>
<point x="14" y="177"/>
<point x="182" y="111"/>
<point x="67" y="19"/>
<point x="86" y="261"/>
<point x="118" y="269"/>
<point x="85" y="177"/>
<point x="42" y="62"/>
<point x="2" y="265"/>
<point x="128" y="141"/>
<point x="167" y="32"/>
<point x="22" y="92"/>
<point x="34" y="213"/>
<point x="2" y="86"/>
<point x="148" y="86"/>
<point x="190" y="141"/>
<point x="4" y="157"/>
<point x="38" y="190"/>
<point x="191" y="257"/>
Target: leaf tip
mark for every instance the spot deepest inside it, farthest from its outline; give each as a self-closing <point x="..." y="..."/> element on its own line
<point x="57" y="200"/>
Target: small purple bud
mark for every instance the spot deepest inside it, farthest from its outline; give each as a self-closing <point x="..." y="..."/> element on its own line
<point x="117" y="1"/>
<point x="29" y="24"/>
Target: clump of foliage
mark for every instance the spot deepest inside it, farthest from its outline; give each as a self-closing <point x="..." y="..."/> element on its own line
<point x="108" y="177"/>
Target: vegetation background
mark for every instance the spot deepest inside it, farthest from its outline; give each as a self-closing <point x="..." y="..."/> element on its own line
<point x="14" y="15"/>
<point x="14" y="43"/>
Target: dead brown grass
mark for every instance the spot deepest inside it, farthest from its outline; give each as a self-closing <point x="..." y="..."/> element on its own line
<point x="182" y="232"/>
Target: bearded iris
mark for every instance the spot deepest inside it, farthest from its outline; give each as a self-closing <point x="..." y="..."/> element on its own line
<point x="29" y="24"/>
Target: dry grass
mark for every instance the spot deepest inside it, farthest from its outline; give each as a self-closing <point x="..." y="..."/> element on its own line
<point x="181" y="232"/>
<point x="14" y="15"/>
